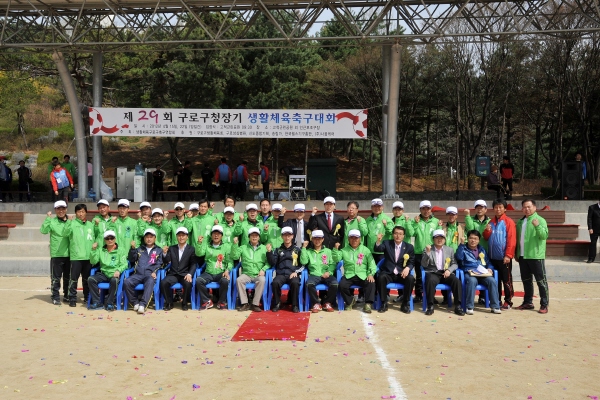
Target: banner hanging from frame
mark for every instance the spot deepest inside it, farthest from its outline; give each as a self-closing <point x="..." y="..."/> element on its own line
<point x="288" y="124"/>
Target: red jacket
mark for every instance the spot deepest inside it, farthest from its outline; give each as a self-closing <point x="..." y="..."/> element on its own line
<point x="502" y="238"/>
<point x="53" y="178"/>
<point x="264" y="173"/>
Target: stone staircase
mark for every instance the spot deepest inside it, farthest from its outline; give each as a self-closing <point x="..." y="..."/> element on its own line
<point x="26" y="251"/>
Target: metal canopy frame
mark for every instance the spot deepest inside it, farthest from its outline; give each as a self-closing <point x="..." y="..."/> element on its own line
<point x="135" y="25"/>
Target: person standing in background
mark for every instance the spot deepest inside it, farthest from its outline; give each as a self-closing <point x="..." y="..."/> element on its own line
<point x="593" y="222"/>
<point x="158" y="177"/>
<point x="24" y="180"/>
<point x="223" y="176"/>
<point x="90" y="173"/>
<point x="207" y="176"/>
<point x="579" y="158"/>
<point x="265" y="179"/>
<point x="507" y="170"/>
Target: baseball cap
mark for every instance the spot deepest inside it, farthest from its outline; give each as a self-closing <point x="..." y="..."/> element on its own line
<point x="251" y="206"/>
<point x="158" y="210"/>
<point x="398" y="204"/>
<point x="354" y="233"/>
<point x="253" y="230"/>
<point x="179" y="205"/>
<point x="451" y="210"/>
<point x="318" y="234"/>
<point x="480" y="203"/>
<point x="181" y="229"/>
<point x="105" y="202"/>
<point x="150" y="231"/>
<point x="194" y="206"/>
<point x="439" y="232"/>
<point x="277" y="207"/>
<point x="145" y="204"/>
<point x="217" y="228"/>
<point x="299" y="207"/>
<point x="329" y="199"/>
<point x="123" y="202"/>
<point x="425" y="203"/>
<point x="376" y="202"/>
<point x="109" y="233"/>
<point x="229" y="209"/>
<point x="287" y="229"/>
<point x="60" y="203"/>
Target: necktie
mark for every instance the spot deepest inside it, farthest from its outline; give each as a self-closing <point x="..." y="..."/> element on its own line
<point x="397" y="252"/>
<point x="329" y="221"/>
<point x="299" y="234"/>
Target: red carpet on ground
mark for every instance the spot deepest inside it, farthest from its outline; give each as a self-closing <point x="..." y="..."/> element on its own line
<point x="282" y="325"/>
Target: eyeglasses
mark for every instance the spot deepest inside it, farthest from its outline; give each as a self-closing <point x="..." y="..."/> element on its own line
<point x="179" y="209"/>
<point x="109" y="238"/>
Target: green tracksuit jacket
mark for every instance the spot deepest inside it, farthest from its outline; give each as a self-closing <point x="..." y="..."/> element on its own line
<point x="110" y="262"/>
<point x="535" y="238"/>
<point x="318" y="262"/>
<point x="357" y="223"/>
<point x="242" y="228"/>
<point x="59" y="242"/>
<point x="175" y="224"/>
<point x="423" y="232"/>
<point x="473" y="223"/>
<point x="127" y="230"/>
<point x="212" y="255"/>
<point x="406" y="224"/>
<point x="81" y="239"/>
<point x="103" y="226"/>
<point x="357" y="262"/>
<point x="201" y="226"/>
<point x="273" y="234"/>
<point x="163" y="233"/>
<point x="376" y="226"/>
<point x="253" y="260"/>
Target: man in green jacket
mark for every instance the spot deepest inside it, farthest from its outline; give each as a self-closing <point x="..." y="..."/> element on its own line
<point x="354" y="221"/>
<point x="125" y="226"/>
<point x="59" y="251"/>
<point x="180" y="220"/>
<point x="144" y="219"/>
<point x="532" y="232"/>
<point x="243" y="226"/>
<point x="217" y="256"/>
<point x="321" y="270"/>
<point x="479" y="222"/>
<point x="359" y="269"/>
<point x="80" y="233"/>
<point x="377" y="223"/>
<point x="423" y="226"/>
<point x="113" y="262"/>
<point x="66" y="164"/>
<point x="271" y="232"/>
<point x="399" y="219"/>
<point x="162" y="228"/>
<point x="254" y="264"/>
<point x="202" y="223"/>
<point x="103" y="221"/>
<point x="229" y="226"/>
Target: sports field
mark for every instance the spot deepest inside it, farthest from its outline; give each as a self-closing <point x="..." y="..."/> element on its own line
<point x="62" y="353"/>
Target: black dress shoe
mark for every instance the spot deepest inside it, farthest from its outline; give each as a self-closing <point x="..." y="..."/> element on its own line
<point x="418" y="299"/>
<point x="435" y="301"/>
<point x="73" y="303"/>
<point x="459" y="311"/>
<point x="383" y="308"/>
<point x="276" y="307"/>
<point x="589" y="261"/>
<point x="244" y="307"/>
<point x="405" y="308"/>
<point x="168" y="307"/>
<point x="295" y="309"/>
<point x="184" y="305"/>
<point x="429" y="311"/>
<point x="256" y="308"/>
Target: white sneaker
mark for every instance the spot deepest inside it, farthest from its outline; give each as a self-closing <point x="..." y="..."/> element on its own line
<point x="136" y="307"/>
<point x="469" y="311"/>
<point x="140" y="310"/>
<point x="496" y="311"/>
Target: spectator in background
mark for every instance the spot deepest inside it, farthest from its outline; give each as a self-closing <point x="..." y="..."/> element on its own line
<point x="24" y="180"/>
<point x="207" y="176"/>
<point x="62" y="182"/>
<point x="66" y="164"/>
<point x="507" y="170"/>
<point x="50" y="169"/>
<point x="493" y="183"/>
<point x="240" y="177"/>
<point x="6" y="181"/>
<point x="223" y="176"/>
<point x="265" y="178"/>
<point x="158" y="176"/>
<point x="90" y="173"/>
<point x="579" y="158"/>
<point x="593" y="222"/>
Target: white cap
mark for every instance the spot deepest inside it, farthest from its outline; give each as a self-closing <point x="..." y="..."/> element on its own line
<point x="277" y="207"/>
<point x="105" y="202"/>
<point x="194" y="206"/>
<point x="480" y="203"/>
<point x="425" y="203"/>
<point x="299" y="207"/>
<point x="145" y="204"/>
<point x="179" y="205"/>
<point x="158" y="210"/>
<point x="253" y="230"/>
<point x="251" y="206"/>
<point x="287" y="229"/>
<point x="110" y="233"/>
<point x="329" y="199"/>
<point x="150" y="231"/>
<point x="217" y="228"/>
<point x="376" y="202"/>
<point x="317" y="234"/>
<point x="181" y="229"/>
<point x="354" y="233"/>
<point x="60" y="203"/>
<point x="398" y="204"/>
<point x="439" y="232"/>
<point x="451" y="210"/>
<point x="229" y="209"/>
<point x="123" y="202"/>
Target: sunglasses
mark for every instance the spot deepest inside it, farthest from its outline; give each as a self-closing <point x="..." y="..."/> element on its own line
<point x="179" y="209"/>
<point x="109" y="238"/>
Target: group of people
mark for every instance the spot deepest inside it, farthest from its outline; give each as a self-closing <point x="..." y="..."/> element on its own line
<point x="261" y="238"/>
<point x="6" y="178"/>
<point x="503" y="184"/>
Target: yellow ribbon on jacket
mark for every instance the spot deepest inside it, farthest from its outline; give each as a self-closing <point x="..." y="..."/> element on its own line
<point x="447" y="263"/>
<point x="337" y="228"/>
<point x="405" y="259"/>
<point x="295" y="259"/>
<point x="482" y="258"/>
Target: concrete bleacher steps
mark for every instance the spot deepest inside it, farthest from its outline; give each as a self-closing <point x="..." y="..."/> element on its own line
<point x="26" y="252"/>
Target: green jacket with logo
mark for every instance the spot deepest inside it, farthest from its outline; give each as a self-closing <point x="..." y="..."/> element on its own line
<point x="454" y="232"/>
<point x="59" y="242"/>
<point x="176" y="224"/>
<point x="110" y="262"/>
<point x="361" y="225"/>
<point x="212" y="254"/>
<point x="473" y="223"/>
<point x="273" y="234"/>
<point x="103" y="226"/>
<point x="127" y="230"/>
<point x="201" y="226"/>
<point x="406" y="223"/>
<point x="318" y="262"/>
<point x="353" y="264"/>
<point x="376" y="226"/>
<point x="163" y="233"/>
<point x="253" y="260"/>
<point x="242" y="228"/>
<point x="423" y="232"/>
<point x="81" y="239"/>
<point x="535" y="238"/>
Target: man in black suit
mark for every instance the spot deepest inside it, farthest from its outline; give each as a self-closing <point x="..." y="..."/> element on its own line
<point x="300" y="235"/>
<point x="183" y="266"/>
<point x="330" y="223"/>
<point x="399" y="262"/>
<point x="593" y="222"/>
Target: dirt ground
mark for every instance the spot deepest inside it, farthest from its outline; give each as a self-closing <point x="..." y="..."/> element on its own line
<point x="61" y="352"/>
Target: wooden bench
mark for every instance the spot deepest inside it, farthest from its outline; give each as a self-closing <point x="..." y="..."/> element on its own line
<point x="4" y="230"/>
<point x="12" y="217"/>
<point x="563" y="232"/>
<point x="571" y="248"/>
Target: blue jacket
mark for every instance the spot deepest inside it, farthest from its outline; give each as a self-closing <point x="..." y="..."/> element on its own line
<point x="467" y="261"/>
<point x="144" y="263"/>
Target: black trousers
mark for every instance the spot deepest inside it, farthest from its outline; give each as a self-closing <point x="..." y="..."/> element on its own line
<point x="348" y="294"/>
<point x="313" y="281"/>
<point x="207" y="278"/>
<point x="24" y="187"/>
<point x="208" y="188"/>
<point x="505" y="280"/>
<point x="592" y="248"/>
<point x="240" y="189"/>
<point x="500" y="192"/>
<point x="170" y="280"/>
<point x="223" y="189"/>
<point x="281" y="280"/>
<point x="418" y="277"/>
<point x="507" y="184"/>
<point x="383" y="279"/>
<point x="157" y="187"/>
<point x="99" y="277"/>
<point x="79" y="268"/>
<point x="266" y="189"/>
<point x="537" y="269"/>
<point x="432" y="279"/>
<point x="60" y="267"/>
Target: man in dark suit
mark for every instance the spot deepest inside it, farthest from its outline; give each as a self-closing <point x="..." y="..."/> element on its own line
<point x="593" y="221"/>
<point x="183" y="266"/>
<point x="300" y="235"/>
<point x="399" y="261"/>
<point x="330" y="223"/>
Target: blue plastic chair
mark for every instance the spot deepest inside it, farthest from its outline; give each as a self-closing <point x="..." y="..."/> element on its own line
<point x="140" y="288"/>
<point x="393" y="285"/>
<point x="340" y="299"/>
<point x="479" y="287"/>
<point x="269" y="274"/>
<point x="159" y="299"/>
<point x="439" y="286"/>
<point x="319" y="287"/>
<point x="213" y="286"/>
<point x="249" y="286"/>
<point x="105" y="286"/>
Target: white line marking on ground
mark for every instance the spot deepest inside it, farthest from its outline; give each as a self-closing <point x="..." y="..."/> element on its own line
<point x="394" y="384"/>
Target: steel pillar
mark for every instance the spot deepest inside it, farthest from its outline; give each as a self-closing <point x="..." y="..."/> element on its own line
<point x="97" y="140"/>
<point x="389" y="185"/>
<point x="385" y="89"/>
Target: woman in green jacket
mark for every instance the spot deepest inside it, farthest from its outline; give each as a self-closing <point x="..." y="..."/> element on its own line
<point x="80" y="232"/>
